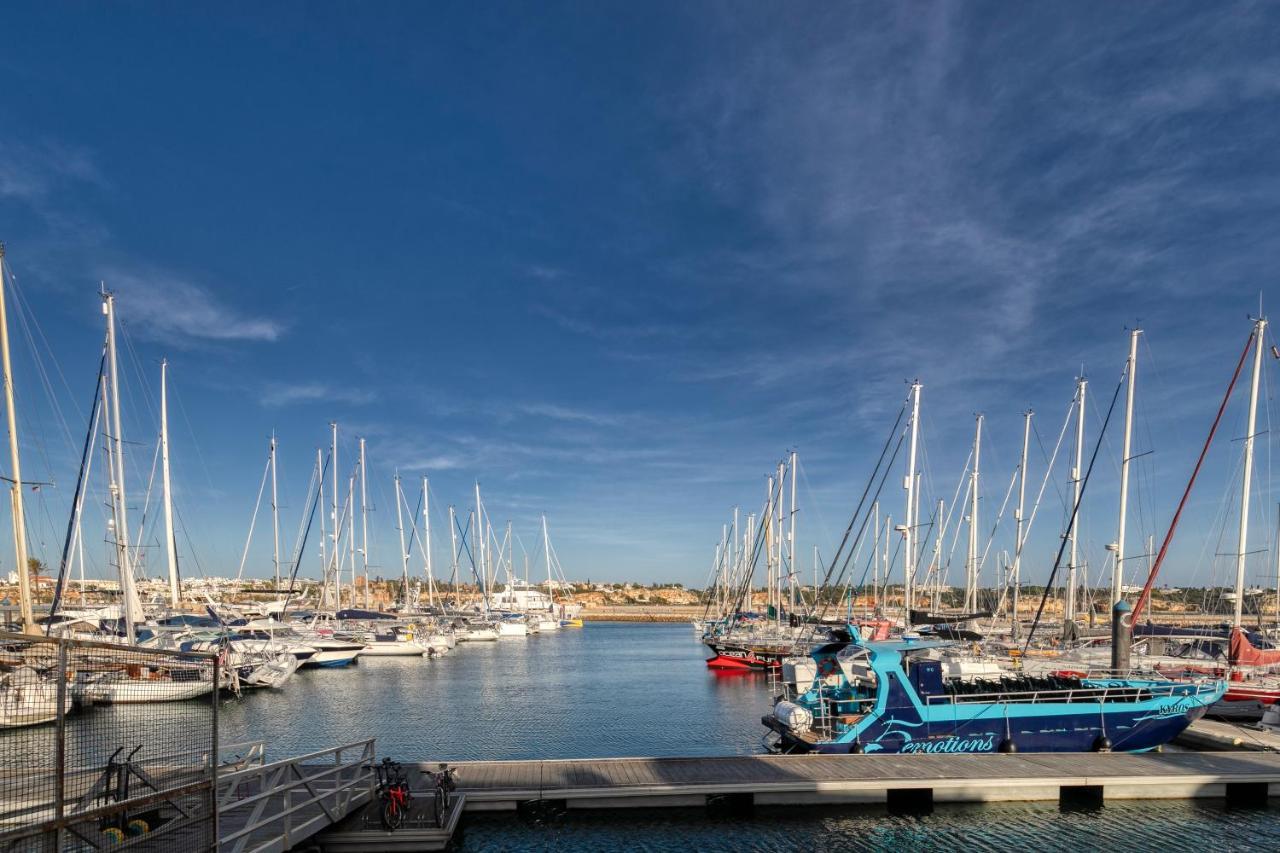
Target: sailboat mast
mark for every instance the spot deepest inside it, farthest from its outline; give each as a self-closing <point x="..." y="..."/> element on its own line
<point x="404" y="555"/>
<point x="971" y="561"/>
<point x="909" y="529"/>
<point x="426" y="524"/>
<point x="1077" y="482"/>
<point x="453" y="552"/>
<point x="1247" y="478"/>
<point x="364" y="527"/>
<point x="478" y="538"/>
<point x="875" y="557"/>
<point x="170" y="545"/>
<point x="120" y="501"/>
<point x="275" y="515"/>
<point x="1019" y="521"/>
<point x="15" y="490"/>
<point x="324" y="560"/>
<point x="1117" y="568"/>
<point x="791" y="537"/>
<point x="333" y="515"/>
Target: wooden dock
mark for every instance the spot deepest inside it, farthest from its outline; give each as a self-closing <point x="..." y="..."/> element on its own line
<point x="1217" y="735"/>
<point x="828" y="779"/>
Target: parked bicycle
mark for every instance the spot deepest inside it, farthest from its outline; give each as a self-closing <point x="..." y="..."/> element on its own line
<point x="393" y="794"/>
<point x="444" y="785"/>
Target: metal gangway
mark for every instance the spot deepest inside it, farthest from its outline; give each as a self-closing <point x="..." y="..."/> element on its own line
<point x="276" y="806"/>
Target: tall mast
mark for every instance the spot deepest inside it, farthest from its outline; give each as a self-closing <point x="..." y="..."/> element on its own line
<point x="1019" y="521"/>
<point x="1117" y="567"/>
<point x="275" y="515"/>
<point x="170" y="546"/>
<point x="909" y="529"/>
<point x="120" y="503"/>
<point x="351" y="532"/>
<point x="971" y="561"/>
<point x="364" y="526"/>
<point x="478" y="540"/>
<point x="875" y="557"/>
<point x="426" y="524"/>
<point x="791" y="537"/>
<point x="768" y="548"/>
<point x="404" y="555"/>
<point x="324" y="561"/>
<point x="453" y="553"/>
<point x="546" y="547"/>
<point x="1247" y="478"/>
<point x="333" y="515"/>
<point x="15" y="490"/>
<point x="1077" y="482"/>
<point x="937" y="559"/>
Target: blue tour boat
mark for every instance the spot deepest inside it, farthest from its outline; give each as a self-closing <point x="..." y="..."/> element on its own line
<point x="892" y="697"/>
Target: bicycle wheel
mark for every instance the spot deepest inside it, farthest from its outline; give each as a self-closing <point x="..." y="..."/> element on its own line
<point x="392" y="817"/>
<point x="442" y="807"/>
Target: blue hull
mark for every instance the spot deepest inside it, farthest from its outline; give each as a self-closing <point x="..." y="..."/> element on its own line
<point x="329" y="664"/>
<point x="1136" y="731"/>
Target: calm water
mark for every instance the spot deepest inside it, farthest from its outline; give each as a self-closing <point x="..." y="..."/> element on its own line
<point x="1163" y="826"/>
<point x="609" y="689"/>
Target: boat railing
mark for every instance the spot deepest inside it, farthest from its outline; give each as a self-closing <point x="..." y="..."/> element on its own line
<point x="1084" y="693"/>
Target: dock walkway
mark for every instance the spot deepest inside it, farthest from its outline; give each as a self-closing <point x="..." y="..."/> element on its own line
<point x="818" y="779"/>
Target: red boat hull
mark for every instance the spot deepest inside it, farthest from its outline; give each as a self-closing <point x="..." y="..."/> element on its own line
<point x="742" y="661"/>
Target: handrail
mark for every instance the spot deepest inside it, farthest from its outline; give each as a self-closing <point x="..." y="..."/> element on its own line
<point x="283" y="778"/>
<point x="1077" y="693"/>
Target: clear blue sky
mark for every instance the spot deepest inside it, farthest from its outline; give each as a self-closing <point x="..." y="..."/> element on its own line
<point x="613" y="260"/>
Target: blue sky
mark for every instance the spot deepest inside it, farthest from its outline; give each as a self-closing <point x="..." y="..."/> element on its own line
<point x="615" y="260"/>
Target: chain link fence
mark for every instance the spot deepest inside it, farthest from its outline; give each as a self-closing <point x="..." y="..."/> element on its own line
<point x="106" y="746"/>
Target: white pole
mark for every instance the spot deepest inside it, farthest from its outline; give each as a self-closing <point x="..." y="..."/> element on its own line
<point x="1019" y="521"/>
<point x="333" y="508"/>
<point x="127" y="590"/>
<point x="791" y="537"/>
<point x="351" y="533"/>
<point x="275" y="515"/>
<point x="971" y="568"/>
<point x="478" y="541"/>
<point x="364" y="527"/>
<point x="426" y="523"/>
<point x="1247" y="477"/>
<point x="909" y="533"/>
<point x="15" y="490"/>
<point x="937" y="558"/>
<point x="1077" y="482"/>
<point x="1117" y="568"/>
<point x="875" y="558"/>
<point x="404" y="555"/>
<point x="324" y="561"/>
<point x="453" y="552"/>
<point x="170" y="546"/>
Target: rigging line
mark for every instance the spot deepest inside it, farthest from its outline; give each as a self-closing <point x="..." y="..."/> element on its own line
<point x="867" y="517"/>
<point x="253" y="520"/>
<point x="77" y="503"/>
<point x="317" y="479"/>
<point x="1076" y="508"/>
<point x="893" y="431"/>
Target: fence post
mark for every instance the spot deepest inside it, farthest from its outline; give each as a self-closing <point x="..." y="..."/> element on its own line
<point x="216" y="758"/>
<point x="60" y="745"/>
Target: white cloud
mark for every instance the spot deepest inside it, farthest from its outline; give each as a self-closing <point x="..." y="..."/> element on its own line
<point x="313" y="392"/>
<point x="167" y="307"/>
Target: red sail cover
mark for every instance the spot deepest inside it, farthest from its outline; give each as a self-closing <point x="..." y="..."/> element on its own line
<point x="1243" y="652"/>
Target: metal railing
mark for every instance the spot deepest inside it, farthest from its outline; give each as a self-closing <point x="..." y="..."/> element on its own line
<point x="104" y="745"/>
<point x="1113" y="693"/>
<point x="277" y="805"/>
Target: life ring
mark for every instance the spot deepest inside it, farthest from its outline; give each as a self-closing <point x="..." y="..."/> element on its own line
<point x="827" y="667"/>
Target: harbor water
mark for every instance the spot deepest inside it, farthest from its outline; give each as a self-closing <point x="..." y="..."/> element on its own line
<point x="609" y="689"/>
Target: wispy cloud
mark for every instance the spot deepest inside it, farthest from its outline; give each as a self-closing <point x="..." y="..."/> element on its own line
<point x="168" y="307"/>
<point x="33" y="171"/>
<point x="282" y="394"/>
<point x="565" y="413"/>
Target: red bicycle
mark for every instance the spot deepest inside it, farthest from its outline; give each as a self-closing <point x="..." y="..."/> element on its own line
<point x="393" y="792"/>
